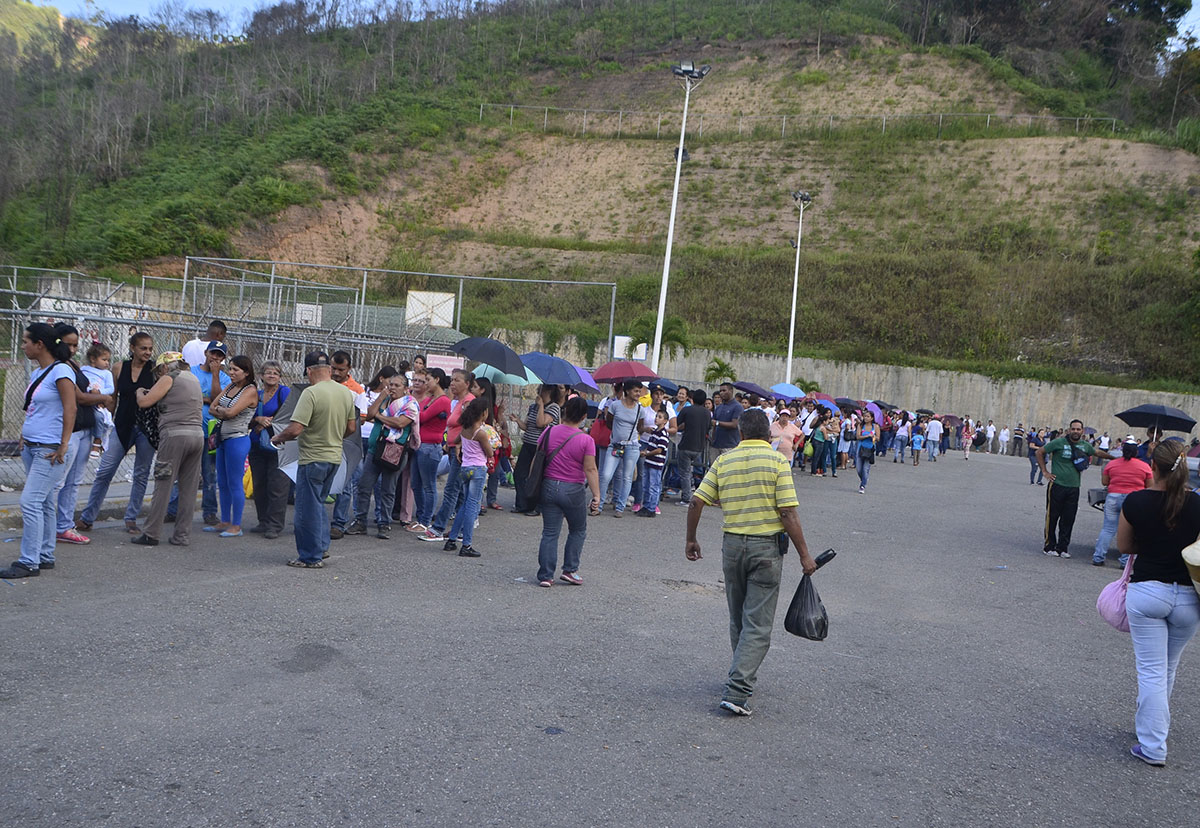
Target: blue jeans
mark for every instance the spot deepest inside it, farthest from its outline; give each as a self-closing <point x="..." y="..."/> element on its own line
<point x="901" y="445"/>
<point x="831" y="455"/>
<point x="933" y="446"/>
<point x="381" y="482"/>
<point x="637" y="486"/>
<point x="313" y="481"/>
<point x="503" y="468"/>
<point x="231" y="468"/>
<point x="652" y="488"/>
<point x="1112" y="515"/>
<point x="1162" y="620"/>
<point x="349" y="495"/>
<point x="864" y="471"/>
<point x="77" y="458"/>
<point x="39" y="505"/>
<point x="561" y="499"/>
<point x="142" y="466"/>
<point x="451" y="495"/>
<point x="622" y="468"/>
<point x="424" y="481"/>
<point x="208" y="485"/>
<point x="852" y="453"/>
<point x="1034" y="469"/>
<point x="471" y="480"/>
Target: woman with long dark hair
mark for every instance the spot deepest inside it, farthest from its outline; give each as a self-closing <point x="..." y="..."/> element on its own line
<point x="270" y="501"/>
<point x="234" y="408"/>
<point x="867" y="435"/>
<point x="45" y="441"/>
<point x="130" y="376"/>
<point x="81" y="439"/>
<point x="392" y="416"/>
<point x="543" y="413"/>
<point x="1161" y="603"/>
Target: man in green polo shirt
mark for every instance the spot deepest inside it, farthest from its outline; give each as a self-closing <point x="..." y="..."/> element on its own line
<point x="752" y="483"/>
<point x="1062" y="495"/>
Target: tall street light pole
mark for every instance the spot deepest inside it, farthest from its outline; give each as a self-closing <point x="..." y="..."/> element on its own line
<point x="802" y="200"/>
<point x="690" y="77"/>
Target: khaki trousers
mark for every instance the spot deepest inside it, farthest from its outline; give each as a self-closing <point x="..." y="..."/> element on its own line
<point x="182" y="450"/>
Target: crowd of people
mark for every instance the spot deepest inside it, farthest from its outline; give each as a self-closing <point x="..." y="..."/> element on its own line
<point x="198" y="419"/>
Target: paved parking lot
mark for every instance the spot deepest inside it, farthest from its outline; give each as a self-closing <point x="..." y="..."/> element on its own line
<point x="966" y="680"/>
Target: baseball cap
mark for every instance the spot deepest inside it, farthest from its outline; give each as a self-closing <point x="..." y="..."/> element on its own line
<point x="313" y="358"/>
<point x="1130" y="440"/>
<point x="217" y="346"/>
<point x="168" y="356"/>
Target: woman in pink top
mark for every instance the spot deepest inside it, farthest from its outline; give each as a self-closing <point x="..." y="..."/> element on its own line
<point x="479" y="441"/>
<point x="435" y="409"/>
<point x="569" y="476"/>
<point x="1123" y="476"/>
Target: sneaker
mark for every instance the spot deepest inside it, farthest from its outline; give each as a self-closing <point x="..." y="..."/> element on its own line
<point x="736" y="708"/>
<point x="145" y="540"/>
<point x="299" y="564"/>
<point x="1049" y="553"/>
<point x="336" y="533"/>
<point x="448" y="546"/>
<point x="1064" y="554"/>
<point x="468" y="551"/>
<point x="415" y="528"/>
<point x="270" y="534"/>
<point x="1097" y="562"/>
<point x="169" y="519"/>
<point x="431" y="535"/>
<point x="545" y="584"/>
<point x="862" y="489"/>
<point x="82" y="525"/>
<point x="637" y="507"/>
<point x="571" y="578"/>
<point x="383" y="532"/>
<point x="1136" y="751"/>
<point x="685" y="503"/>
<point x="618" y="514"/>
<point x="71" y="536"/>
<point x="657" y="510"/>
<point x="357" y="527"/>
<point x="46" y="565"/>
<point x="211" y="520"/>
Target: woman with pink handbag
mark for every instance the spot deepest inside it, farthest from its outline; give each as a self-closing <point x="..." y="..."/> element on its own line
<point x="1162" y="605"/>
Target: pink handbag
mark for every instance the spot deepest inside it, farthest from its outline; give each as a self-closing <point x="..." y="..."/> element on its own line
<point x="1111" y="603"/>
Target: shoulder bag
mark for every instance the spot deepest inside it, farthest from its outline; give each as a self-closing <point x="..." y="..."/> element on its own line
<point x="33" y="386"/>
<point x="537" y="467"/>
<point x="1111" y="603"/>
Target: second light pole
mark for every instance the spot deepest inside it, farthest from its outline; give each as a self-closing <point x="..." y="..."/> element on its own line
<point x="802" y="199"/>
<point x="689" y="76"/>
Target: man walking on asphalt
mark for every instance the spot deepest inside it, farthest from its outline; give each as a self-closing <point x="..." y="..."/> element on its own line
<point x="933" y="438"/>
<point x="1070" y="456"/>
<point x="694" y="422"/>
<point x="752" y="484"/>
<point x="324" y="416"/>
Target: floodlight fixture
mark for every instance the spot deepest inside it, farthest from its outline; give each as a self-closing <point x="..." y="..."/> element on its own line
<point x="688" y="69"/>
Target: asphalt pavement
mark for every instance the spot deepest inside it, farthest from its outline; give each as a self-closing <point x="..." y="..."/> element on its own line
<point x="967" y="679"/>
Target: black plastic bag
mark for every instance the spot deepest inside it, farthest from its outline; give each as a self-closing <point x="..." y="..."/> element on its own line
<point x="806" y="615"/>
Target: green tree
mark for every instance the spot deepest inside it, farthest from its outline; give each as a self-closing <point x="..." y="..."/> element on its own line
<point x="674" y="334"/>
<point x="719" y="370"/>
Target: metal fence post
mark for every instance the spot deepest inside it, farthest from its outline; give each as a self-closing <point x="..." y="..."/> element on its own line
<point x="612" y="315"/>
<point x="939" y="126"/>
<point x="658" y="130"/>
<point x="739" y="125"/>
<point x="701" y="133"/>
<point x="510" y="115"/>
<point x="546" y="119"/>
<point x="585" y="122"/>
<point x="481" y="113"/>
<point x="884" y="130"/>
<point x="783" y="129"/>
<point x="187" y="260"/>
<point x="620" y="119"/>
<point x="458" y="310"/>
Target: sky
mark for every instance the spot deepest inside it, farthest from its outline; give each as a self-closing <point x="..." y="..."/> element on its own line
<point x="237" y="9"/>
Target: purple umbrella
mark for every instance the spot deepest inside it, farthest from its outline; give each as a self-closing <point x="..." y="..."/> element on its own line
<point x="586" y="383"/>
<point x="751" y="388"/>
<point x="875" y="412"/>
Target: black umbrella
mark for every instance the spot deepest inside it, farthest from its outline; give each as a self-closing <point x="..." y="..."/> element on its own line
<point x="846" y="402"/>
<point x="926" y="412"/>
<point x="751" y="388"/>
<point x="490" y="352"/>
<point x="1152" y="415"/>
<point x="886" y="406"/>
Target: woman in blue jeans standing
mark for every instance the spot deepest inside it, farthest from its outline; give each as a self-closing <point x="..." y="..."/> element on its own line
<point x="235" y="409"/>
<point x="434" y="408"/>
<point x="478" y="442"/>
<point x="45" y="441"/>
<point x="570" y="474"/>
<point x="868" y="436"/>
<point x="1156" y="524"/>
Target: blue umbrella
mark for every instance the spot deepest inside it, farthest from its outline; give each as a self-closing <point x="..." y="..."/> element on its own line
<point x="666" y="385"/>
<point x="788" y="390"/>
<point x="828" y="405"/>
<point x="551" y="370"/>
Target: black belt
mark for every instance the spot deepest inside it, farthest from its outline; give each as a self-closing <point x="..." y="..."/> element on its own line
<point x="43" y="445"/>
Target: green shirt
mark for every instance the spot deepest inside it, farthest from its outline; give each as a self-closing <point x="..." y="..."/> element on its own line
<point x="1062" y="464"/>
<point x="324" y="409"/>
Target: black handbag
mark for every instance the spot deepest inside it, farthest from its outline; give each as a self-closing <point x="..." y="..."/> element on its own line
<point x="537" y="466"/>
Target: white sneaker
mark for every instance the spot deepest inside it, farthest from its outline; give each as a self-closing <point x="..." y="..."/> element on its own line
<point x="735" y="708"/>
<point x="1050" y="553"/>
<point x="1064" y="554"/>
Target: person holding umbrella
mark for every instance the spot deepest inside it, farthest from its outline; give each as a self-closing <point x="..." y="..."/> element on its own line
<point x="1070" y="456"/>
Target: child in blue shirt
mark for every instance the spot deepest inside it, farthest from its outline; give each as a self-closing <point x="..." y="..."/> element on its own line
<point x="654" y="452"/>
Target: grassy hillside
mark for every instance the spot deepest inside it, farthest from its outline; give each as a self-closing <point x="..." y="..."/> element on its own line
<point x="1000" y="246"/>
<point x="23" y="19"/>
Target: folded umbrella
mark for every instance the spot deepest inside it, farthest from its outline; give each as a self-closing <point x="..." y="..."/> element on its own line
<point x="549" y="369"/>
<point x="1153" y="415"/>
<point x="491" y="352"/>
<point x="622" y="370"/>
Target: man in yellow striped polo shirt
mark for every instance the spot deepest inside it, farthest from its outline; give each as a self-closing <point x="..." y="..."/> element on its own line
<point x="752" y="484"/>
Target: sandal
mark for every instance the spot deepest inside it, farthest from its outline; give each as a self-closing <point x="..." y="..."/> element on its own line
<point x="132" y="528"/>
<point x="497" y="507"/>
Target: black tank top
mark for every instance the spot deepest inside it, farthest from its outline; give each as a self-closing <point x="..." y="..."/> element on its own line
<point x="126" y="411"/>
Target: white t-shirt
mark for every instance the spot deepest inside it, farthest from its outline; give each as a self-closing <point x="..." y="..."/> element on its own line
<point x="363" y="403"/>
<point x="648" y="414"/>
<point x="991" y="431"/>
<point x="770" y="412"/>
<point x="809" y="419"/>
<point x="1104" y="443"/>
<point x="193" y="352"/>
<point x="1004" y="435"/>
<point x="934" y="430"/>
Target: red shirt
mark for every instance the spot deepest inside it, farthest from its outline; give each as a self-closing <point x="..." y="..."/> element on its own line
<point x="1125" y="476"/>
<point x="433" y="418"/>
<point x="453" y="429"/>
